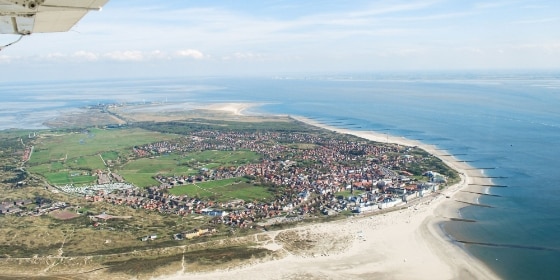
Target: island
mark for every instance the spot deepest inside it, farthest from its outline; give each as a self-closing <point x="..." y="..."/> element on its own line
<point x="204" y="191"/>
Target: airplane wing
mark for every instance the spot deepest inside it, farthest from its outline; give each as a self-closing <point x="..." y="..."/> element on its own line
<point x="39" y="16"/>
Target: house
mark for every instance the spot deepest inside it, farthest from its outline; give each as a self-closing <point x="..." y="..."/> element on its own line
<point x="389" y="202"/>
<point x="213" y="213"/>
<point x="288" y="207"/>
<point x="403" y="178"/>
<point x="365" y="208"/>
<point x="426" y="188"/>
<point x="435" y="177"/>
<point x="149" y="237"/>
<point x="4" y="209"/>
<point x="304" y="195"/>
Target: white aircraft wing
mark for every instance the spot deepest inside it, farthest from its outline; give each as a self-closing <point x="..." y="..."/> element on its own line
<point x="39" y="16"/>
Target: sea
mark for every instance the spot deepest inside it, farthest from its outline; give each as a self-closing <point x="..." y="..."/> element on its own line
<point x="504" y="122"/>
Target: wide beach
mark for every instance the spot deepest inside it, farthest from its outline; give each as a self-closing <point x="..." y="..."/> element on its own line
<point x="405" y="244"/>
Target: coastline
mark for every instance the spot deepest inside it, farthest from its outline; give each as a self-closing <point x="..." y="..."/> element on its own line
<point x="408" y="243"/>
<point x="514" y="144"/>
<point x="464" y="265"/>
<point x="404" y="244"/>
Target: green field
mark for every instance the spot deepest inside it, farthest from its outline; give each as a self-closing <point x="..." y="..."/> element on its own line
<point x="223" y="158"/>
<point x="65" y="178"/>
<point x="57" y="155"/>
<point x="110" y="155"/>
<point x="70" y="146"/>
<point x="141" y="180"/>
<point x="224" y="190"/>
<point x="46" y="168"/>
<point x="140" y="172"/>
<point x="86" y="163"/>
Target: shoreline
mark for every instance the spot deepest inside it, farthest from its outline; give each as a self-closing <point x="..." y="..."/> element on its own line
<point x="432" y="227"/>
<point x="409" y="243"/>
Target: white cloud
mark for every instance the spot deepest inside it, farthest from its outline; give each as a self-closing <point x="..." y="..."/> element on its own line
<point x="157" y="54"/>
<point x="54" y="56"/>
<point x="85" y="56"/>
<point x="5" y="59"/>
<point x="362" y="34"/>
<point x="118" y="55"/>
<point x="125" y="55"/>
<point x="190" y="53"/>
<point x="135" y="55"/>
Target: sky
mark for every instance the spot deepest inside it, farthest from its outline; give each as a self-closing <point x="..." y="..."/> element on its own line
<point x="143" y="38"/>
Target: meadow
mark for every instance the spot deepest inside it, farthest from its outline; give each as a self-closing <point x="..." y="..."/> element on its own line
<point x="71" y="157"/>
<point x="224" y="190"/>
<point x="140" y="172"/>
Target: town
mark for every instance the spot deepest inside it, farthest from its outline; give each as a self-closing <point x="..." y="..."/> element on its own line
<point x="308" y="173"/>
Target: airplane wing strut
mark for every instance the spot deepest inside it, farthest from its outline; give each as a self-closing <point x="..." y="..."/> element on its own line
<point x="19" y="39"/>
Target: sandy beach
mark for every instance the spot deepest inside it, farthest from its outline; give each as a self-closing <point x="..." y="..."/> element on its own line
<point x="404" y="244"/>
<point x="233" y="108"/>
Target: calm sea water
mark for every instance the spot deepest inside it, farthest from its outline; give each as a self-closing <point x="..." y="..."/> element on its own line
<point x="506" y="121"/>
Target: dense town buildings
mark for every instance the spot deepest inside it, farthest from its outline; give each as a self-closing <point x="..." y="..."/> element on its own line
<point x="309" y="172"/>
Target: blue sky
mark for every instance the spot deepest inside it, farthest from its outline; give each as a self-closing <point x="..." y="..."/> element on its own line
<point x="143" y="38"/>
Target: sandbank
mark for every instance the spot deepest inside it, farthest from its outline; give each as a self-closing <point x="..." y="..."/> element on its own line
<point x="404" y="244"/>
<point x="233" y="108"/>
<point x="163" y="112"/>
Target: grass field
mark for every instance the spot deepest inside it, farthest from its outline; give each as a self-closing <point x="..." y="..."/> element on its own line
<point x="161" y="165"/>
<point x="110" y="155"/>
<point x="224" y="190"/>
<point x="70" y="146"/>
<point x="67" y="178"/>
<point x="86" y="162"/>
<point x="141" y="180"/>
<point x="223" y="157"/>
<point x="140" y="172"/>
<point x="57" y="155"/>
